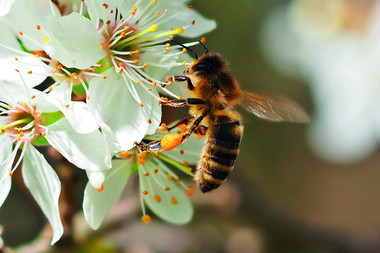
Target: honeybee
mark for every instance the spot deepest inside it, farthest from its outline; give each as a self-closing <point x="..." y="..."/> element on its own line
<point x="214" y="93"/>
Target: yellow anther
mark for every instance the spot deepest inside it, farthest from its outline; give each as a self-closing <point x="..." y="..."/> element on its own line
<point x="146" y="218"/>
<point x="180" y="30"/>
<point x="46" y="39"/>
<point x="100" y="188"/>
<point x="153" y="28"/>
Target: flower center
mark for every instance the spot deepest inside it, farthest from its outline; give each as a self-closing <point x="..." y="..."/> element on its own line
<point x="23" y="122"/>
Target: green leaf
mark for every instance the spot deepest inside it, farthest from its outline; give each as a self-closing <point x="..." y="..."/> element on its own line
<point x="96" y="205"/>
<point x="45" y="187"/>
<point x="174" y="205"/>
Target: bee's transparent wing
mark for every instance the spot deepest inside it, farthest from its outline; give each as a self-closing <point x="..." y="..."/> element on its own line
<point x="274" y="108"/>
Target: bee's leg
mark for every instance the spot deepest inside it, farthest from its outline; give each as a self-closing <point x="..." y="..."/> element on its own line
<point x="185" y="121"/>
<point x="195" y="125"/>
<point x="183" y="102"/>
<point x="200" y="131"/>
<point x="151" y="147"/>
<point x="190" y="85"/>
<point x="170" y="141"/>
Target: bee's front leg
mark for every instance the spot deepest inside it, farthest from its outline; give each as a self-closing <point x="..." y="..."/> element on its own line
<point x="183" y="102"/>
<point x="171" y="79"/>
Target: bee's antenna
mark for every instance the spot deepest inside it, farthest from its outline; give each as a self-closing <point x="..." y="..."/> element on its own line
<point x="200" y="41"/>
<point x="191" y="50"/>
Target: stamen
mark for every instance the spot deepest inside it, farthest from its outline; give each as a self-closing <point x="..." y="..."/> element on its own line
<point x="125" y="41"/>
<point x="100" y="188"/>
<point x="157" y="198"/>
<point x="190" y="190"/>
<point x="146" y="219"/>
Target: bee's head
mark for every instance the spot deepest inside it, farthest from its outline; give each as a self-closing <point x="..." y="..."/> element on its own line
<point x="206" y="65"/>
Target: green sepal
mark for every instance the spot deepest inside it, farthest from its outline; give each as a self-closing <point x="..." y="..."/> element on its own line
<point x="51" y="117"/>
<point x="40" y="141"/>
<point x="79" y="89"/>
<point x="107" y="64"/>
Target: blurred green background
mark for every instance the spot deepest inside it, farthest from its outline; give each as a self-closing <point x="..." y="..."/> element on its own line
<point x="280" y="198"/>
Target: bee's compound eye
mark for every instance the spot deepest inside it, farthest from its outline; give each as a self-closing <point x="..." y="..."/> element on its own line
<point x="201" y="66"/>
<point x="214" y="85"/>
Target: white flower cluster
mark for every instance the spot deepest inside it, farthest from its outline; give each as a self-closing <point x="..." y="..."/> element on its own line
<point x="334" y="45"/>
<point x="101" y="66"/>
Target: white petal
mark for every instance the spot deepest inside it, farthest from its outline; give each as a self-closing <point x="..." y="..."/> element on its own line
<point x="178" y="88"/>
<point x="14" y="93"/>
<point x="39" y="71"/>
<point x="180" y="212"/>
<point x="86" y="151"/>
<point x="45" y="187"/>
<point x="345" y="94"/>
<point x="80" y="118"/>
<point x="189" y="151"/>
<point x="5" y="6"/>
<point x="160" y="73"/>
<point x="9" y="46"/>
<point x="5" y="179"/>
<point x="202" y="25"/>
<point x="97" y="10"/>
<point x="96" y="205"/>
<point x="96" y="178"/>
<point x="151" y="108"/>
<point x="74" y="41"/>
<point x="114" y="107"/>
<point x="26" y="21"/>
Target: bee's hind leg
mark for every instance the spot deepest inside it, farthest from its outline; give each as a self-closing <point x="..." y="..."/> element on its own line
<point x="200" y="131"/>
<point x="185" y="121"/>
<point x="151" y="147"/>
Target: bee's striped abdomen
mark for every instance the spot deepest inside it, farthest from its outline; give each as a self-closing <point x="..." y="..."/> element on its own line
<point x="220" y="152"/>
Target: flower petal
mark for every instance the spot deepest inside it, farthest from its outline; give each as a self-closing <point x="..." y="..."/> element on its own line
<point x="32" y="70"/>
<point x="80" y="119"/>
<point x="5" y="179"/>
<point x="96" y="205"/>
<point x="26" y="21"/>
<point x="9" y="44"/>
<point x="115" y="108"/>
<point x="45" y="187"/>
<point x="171" y="205"/>
<point x="74" y="41"/>
<point x="95" y="178"/>
<point x="86" y="151"/>
<point x="190" y="151"/>
<point x="5" y="6"/>
<point x="187" y="15"/>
